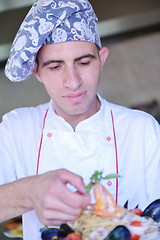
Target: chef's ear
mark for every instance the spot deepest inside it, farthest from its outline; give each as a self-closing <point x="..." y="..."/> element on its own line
<point x="35" y="71"/>
<point x="103" y="54"/>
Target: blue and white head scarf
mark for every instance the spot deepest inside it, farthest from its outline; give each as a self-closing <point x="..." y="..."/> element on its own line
<point x="47" y="22"/>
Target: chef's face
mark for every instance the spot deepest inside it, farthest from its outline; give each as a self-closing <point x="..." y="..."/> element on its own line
<point x="70" y="72"/>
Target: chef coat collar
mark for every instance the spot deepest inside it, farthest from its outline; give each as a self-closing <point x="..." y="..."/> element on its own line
<point x="90" y="124"/>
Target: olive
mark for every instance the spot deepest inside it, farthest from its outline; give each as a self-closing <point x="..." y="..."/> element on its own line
<point x="119" y="233"/>
<point x="49" y="234"/>
<point x="64" y="230"/>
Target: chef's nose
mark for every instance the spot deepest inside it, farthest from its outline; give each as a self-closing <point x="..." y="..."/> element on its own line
<point x="72" y="78"/>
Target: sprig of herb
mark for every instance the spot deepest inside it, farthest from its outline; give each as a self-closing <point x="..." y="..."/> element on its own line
<point x="97" y="177"/>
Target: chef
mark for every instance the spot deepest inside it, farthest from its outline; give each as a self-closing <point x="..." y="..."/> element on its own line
<point x="49" y="152"/>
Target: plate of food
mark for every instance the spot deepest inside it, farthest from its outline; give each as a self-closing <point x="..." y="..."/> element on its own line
<point x="13" y="228"/>
<point x="105" y="220"/>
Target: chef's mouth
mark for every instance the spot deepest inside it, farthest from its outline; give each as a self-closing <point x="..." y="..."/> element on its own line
<point x="76" y="97"/>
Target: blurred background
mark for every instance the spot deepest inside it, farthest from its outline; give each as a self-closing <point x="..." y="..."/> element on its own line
<point x="131" y="75"/>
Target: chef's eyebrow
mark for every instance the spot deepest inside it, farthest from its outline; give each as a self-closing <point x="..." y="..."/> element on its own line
<point x="51" y="61"/>
<point x="61" y="61"/>
<point x="85" y="56"/>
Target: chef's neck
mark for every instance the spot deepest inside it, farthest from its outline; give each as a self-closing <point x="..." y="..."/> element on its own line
<point x="75" y="119"/>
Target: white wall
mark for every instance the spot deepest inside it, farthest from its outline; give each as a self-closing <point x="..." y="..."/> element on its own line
<point x="132" y="72"/>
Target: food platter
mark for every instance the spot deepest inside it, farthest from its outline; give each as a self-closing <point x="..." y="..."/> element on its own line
<point x="105" y="220"/>
<point x="129" y="226"/>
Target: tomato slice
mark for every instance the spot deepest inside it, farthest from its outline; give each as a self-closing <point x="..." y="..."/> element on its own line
<point x="74" y="236"/>
<point x="136" y="223"/>
<point x="136" y="211"/>
<point x="135" y="237"/>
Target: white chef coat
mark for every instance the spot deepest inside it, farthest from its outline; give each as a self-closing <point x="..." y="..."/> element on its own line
<point x="115" y="139"/>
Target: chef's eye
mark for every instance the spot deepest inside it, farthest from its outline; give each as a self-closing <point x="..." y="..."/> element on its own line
<point x="56" y="67"/>
<point x="85" y="63"/>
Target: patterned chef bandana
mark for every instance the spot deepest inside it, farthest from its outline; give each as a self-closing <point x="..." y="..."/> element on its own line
<point x="50" y="21"/>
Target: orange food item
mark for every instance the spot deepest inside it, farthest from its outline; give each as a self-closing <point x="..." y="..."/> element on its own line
<point x="74" y="236"/>
<point x="105" y="205"/>
<point x="136" y="211"/>
<point x="135" y="237"/>
<point x="136" y="223"/>
<point x="11" y="224"/>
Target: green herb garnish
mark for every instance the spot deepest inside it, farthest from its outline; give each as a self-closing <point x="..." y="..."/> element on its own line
<point x="97" y="177"/>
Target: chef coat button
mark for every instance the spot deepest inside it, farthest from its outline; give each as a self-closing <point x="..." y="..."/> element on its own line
<point x="49" y="134"/>
<point x="108" y="139"/>
<point x="109" y="183"/>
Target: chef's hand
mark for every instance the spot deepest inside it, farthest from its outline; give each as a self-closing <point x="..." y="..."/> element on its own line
<point x="53" y="202"/>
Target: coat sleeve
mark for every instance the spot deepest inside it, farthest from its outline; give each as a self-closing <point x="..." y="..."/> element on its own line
<point x="7" y="145"/>
<point x="20" y="132"/>
<point x="152" y="151"/>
